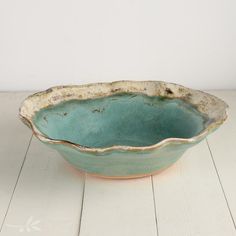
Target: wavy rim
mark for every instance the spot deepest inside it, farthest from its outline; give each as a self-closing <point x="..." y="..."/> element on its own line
<point x="214" y="125"/>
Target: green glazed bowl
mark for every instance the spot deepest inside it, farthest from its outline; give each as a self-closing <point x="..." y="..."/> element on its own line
<point x="123" y="129"/>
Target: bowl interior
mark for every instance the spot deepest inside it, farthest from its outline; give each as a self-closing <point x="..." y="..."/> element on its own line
<point x="127" y="119"/>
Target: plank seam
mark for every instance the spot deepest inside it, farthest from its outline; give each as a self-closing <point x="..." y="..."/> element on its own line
<point x="154" y="205"/>
<point x="17" y="180"/>
<point x="82" y="204"/>
<point x="222" y="188"/>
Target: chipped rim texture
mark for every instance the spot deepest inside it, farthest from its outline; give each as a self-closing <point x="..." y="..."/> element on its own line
<point x="213" y="107"/>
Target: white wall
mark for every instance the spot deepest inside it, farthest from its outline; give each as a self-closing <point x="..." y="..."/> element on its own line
<point x="50" y="42"/>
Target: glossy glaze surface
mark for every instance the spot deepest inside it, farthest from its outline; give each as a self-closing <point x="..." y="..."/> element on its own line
<point x="122" y="119"/>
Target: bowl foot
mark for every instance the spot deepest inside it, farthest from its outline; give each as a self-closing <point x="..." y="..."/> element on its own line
<point x="128" y="176"/>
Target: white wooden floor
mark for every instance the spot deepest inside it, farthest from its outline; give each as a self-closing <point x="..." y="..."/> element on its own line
<point x="41" y="195"/>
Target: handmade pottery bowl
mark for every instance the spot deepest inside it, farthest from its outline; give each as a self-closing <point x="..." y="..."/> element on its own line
<point x="123" y="129"/>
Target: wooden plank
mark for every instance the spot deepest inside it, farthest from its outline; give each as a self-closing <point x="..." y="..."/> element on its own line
<point x="48" y="196"/>
<point x="223" y="147"/>
<point x="14" y="140"/>
<point x="189" y="199"/>
<point x="118" y="207"/>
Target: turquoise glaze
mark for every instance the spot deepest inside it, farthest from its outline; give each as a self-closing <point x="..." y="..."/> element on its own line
<point x="123" y="119"/>
<point x="123" y="129"/>
<point x="123" y="164"/>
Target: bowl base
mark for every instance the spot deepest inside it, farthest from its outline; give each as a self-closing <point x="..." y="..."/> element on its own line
<point x="137" y="176"/>
<point x="127" y="176"/>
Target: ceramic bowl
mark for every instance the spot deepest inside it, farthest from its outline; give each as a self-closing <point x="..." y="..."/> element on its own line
<point x="123" y="129"/>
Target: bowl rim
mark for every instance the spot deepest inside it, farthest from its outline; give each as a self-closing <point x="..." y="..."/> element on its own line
<point x="28" y="109"/>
